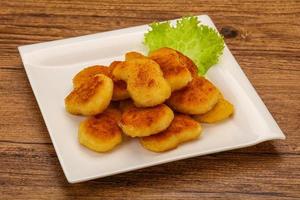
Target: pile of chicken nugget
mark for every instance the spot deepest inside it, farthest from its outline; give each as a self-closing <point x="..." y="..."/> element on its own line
<point x="160" y="99"/>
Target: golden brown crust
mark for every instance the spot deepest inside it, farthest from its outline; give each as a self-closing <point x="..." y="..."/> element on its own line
<point x="142" y="117"/>
<point x="183" y="128"/>
<point x="104" y="126"/>
<point x="221" y="111"/>
<point x="143" y="78"/>
<point x="101" y="132"/>
<point x="133" y="55"/>
<point x="174" y="70"/>
<point x="113" y="65"/>
<point x="145" y="82"/>
<point x="120" y="87"/>
<point x="179" y="124"/>
<point x="168" y="59"/>
<point x="89" y="72"/>
<point x="198" y="97"/>
<point x="85" y="91"/>
<point x="91" y="97"/>
<point x="187" y="62"/>
<point x="138" y="122"/>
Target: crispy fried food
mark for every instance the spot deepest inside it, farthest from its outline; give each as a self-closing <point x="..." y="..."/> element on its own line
<point x="101" y="133"/>
<point x="91" y="97"/>
<point x="145" y="82"/>
<point x="182" y="129"/>
<point x="198" y="97"/>
<point x="174" y="70"/>
<point x="186" y="61"/>
<point x="120" y="87"/>
<point x="119" y="92"/>
<point x="89" y="72"/>
<point x="133" y="55"/>
<point x="222" y="110"/>
<point x="139" y="122"/>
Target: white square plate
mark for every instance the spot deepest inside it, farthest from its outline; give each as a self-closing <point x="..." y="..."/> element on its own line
<point x="50" y="67"/>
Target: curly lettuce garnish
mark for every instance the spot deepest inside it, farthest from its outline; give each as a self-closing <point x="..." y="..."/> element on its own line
<point x="202" y="44"/>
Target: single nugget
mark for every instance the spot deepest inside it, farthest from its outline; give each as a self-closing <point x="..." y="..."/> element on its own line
<point x="174" y="70"/>
<point x="133" y="55"/>
<point x="101" y="133"/>
<point x="182" y="129"/>
<point x="198" y="97"/>
<point x="119" y="92"/>
<point x="87" y="73"/>
<point x="222" y="110"/>
<point x="91" y="97"/>
<point x="145" y="82"/>
<point x="139" y="122"/>
<point x="120" y="87"/>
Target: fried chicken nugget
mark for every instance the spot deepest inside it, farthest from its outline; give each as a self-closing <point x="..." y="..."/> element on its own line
<point x="145" y="82"/>
<point x="120" y="87"/>
<point x="89" y="72"/>
<point x="222" y="110"/>
<point x="198" y="97"/>
<point x="133" y="55"/>
<point x="186" y="61"/>
<point x="101" y="133"/>
<point x="182" y="129"/>
<point x="139" y="122"/>
<point x="91" y="97"/>
<point x="174" y="70"/>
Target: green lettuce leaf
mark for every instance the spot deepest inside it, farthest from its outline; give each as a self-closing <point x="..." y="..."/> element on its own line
<point x="202" y="44"/>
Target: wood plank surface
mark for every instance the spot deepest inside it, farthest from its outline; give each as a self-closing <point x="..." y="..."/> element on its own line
<point x="264" y="36"/>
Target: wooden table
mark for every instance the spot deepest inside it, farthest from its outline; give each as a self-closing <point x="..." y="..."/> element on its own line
<point x="263" y="36"/>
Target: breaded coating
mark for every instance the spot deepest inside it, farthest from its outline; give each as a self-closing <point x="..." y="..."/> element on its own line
<point x="198" y="97"/>
<point x="182" y="129"/>
<point x="222" y="110"/>
<point x="145" y="82"/>
<point x="133" y="55"/>
<point x="101" y="133"/>
<point x="186" y="61"/>
<point x="91" y="97"/>
<point x="89" y="72"/>
<point x="174" y="70"/>
<point x="139" y="122"/>
<point x="119" y="92"/>
<point x="120" y="87"/>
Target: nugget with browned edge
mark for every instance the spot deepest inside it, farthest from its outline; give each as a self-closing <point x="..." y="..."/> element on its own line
<point x="133" y="55"/>
<point x="120" y="88"/>
<point x="101" y="133"/>
<point x="198" y="97"/>
<point x="89" y="72"/>
<point x="91" y="97"/>
<point x="222" y="110"/>
<point x="186" y="61"/>
<point x="174" y="70"/>
<point x="145" y="82"/>
<point x="182" y="129"/>
<point x="139" y="122"/>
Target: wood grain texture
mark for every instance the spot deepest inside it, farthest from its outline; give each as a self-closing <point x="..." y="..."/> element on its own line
<point x="264" y="36"/>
